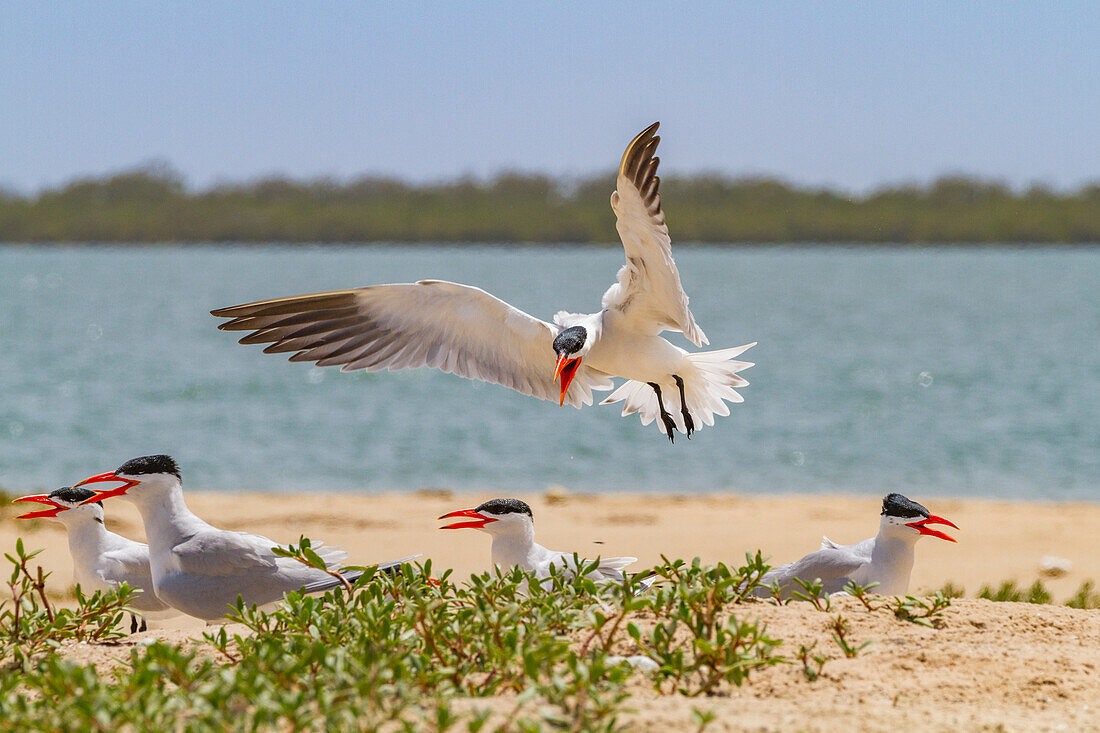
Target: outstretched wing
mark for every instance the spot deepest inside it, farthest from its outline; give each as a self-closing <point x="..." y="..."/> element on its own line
<point x="456" y="328"/>
<point x="648" y="291"/>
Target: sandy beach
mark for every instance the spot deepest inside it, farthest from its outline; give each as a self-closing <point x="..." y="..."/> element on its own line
<point x="998" y="540"/>
<point x="991" y="666"/>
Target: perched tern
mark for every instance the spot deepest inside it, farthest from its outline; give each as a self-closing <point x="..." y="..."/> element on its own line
<point x="102" y="560"/>
<point x="200" y="569"/>
<point x="886" y="559"/>
<point x="464" y="330"/>
<point x="512" y="526"/>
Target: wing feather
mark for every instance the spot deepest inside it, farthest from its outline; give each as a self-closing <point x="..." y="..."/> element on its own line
<point x="125" y="565"/>
<point x="648" y="290"/>
<point x="831" y="566"/>
<point x="225" y="554"/>
<point x="459" y="329"/>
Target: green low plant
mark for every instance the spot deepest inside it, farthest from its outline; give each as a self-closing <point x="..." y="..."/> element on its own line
<point x="697" y="642"/>
<point x="841" y="630"/>
<point x="951" y="590"/>
<point x="1085" y="597"/>
<point x="922" y="611"/>
<point x="814" y="592"/>
<point x="812" y="664"/>
<point x="404" y="651"/>
<point x="862" y="593"/>
<point x="702" y="718"/>
<point x="1008" y="591"/>
<point x="30" y="623"/>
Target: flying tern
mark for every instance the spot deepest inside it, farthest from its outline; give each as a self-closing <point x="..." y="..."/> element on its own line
<point x="885" y="559"/>
<point x="200" y="569"/>
<point x="512" y="526"/>
<point x="102" y="560"/>
<point x="464" y="330"/>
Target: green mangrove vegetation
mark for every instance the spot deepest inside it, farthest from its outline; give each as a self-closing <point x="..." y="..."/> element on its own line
<point x="152" y="204"/>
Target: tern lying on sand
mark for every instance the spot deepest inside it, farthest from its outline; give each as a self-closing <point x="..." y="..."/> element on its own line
<point x="512" y="527"/>
<point x="102" y="560"/>
<point x="886" y="559"/>
<point x="200" y="569"/>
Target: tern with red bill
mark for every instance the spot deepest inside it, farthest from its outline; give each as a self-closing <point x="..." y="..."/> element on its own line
<point x="885" y="559"/>
<point x="200" y="569"/>
<point x="512" y="526"/>
<point x="464" y="330"/>
<point x="102" y="560"/>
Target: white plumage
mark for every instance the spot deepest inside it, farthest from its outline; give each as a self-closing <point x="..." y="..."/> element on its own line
<point x="102" y="560"/>
<point x="512" y="526"/>
<point x="198" y="568"/>
<point x="885" y="559"/>
<point x="464" y="330"/>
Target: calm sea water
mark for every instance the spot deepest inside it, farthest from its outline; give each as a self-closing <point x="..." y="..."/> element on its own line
<point x="929" y="372"/>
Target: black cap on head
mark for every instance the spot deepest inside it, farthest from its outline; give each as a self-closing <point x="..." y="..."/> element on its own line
<point x="73" y="496"/>
<point x="505" y="506"/>
<point x="896" y="505"/>
<point x="149" y="465"/>
<point x="571" y="340"/>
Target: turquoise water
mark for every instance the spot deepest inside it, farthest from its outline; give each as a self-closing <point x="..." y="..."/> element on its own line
<point x="970" y="372"/>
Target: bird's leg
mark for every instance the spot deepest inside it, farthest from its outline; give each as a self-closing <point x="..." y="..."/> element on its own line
<point x="670" y="424"/>
<point x="688" y="422"/>
<point x="133" y="624"/>
<point x="144" y="626"/>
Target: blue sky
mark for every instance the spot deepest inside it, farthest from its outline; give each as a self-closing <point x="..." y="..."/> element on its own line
<point x="846" y="94"/>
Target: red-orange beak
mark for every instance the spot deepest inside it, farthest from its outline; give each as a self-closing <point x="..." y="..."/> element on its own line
<point x="566" y="370"/>
<point x="933" y="519"/>
<point x="44" y="513"/>
<point x="482" y="520"/>
<point x="109" y="493"/>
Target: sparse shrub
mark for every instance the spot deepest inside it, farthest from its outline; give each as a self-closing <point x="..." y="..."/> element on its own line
<point x="402" y="651"/>
<point x="841" y="629"/>
<point x="702" y="718"/>
<point x="814" y="592"/>
<point x="30" y="624"/>
<point x="923" y="611"/>
<point x="862" y="594"/>
<point x="950" y="590"/>
<point x="1008" y="591"/>
<point x="812" y="664"/>
<point x="1085" y="597"/>
<point x="716" y="646"/>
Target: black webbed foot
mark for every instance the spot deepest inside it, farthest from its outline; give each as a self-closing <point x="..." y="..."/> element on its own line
<point x="144" y="626"/>
<point x="670" y="424"/>
<point x="133" y="624"/>
<point x="688" y="422"/>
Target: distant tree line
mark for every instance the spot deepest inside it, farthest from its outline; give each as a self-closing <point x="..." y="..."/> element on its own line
<point x="152" y="204"/>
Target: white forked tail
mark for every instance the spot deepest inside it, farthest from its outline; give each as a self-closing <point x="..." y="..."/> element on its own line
<point x="709" y="381"/>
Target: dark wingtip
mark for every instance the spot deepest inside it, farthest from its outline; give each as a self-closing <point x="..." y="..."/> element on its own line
<point x="632" y="156"/>
<point x="639" y="166"/>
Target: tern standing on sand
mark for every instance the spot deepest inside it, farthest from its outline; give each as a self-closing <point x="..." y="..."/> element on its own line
<point x="466" y="331"/>
<point x="200" y="569"/>
<point x="885" y="559"/>
<point x="512" y="526"/>
<point x="102" y="560"/>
